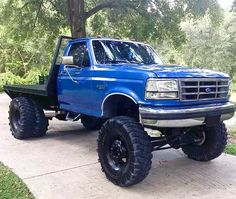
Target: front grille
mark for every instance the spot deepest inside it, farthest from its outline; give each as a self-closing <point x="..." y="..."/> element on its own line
<point x="196" y="89"/>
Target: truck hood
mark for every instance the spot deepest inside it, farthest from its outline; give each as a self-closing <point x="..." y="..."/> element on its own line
<point x="175" y="71"/>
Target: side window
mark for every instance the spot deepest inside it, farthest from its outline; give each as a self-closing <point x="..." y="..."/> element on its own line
<point x="80" y="53"/>
<point x="99" y="52"/>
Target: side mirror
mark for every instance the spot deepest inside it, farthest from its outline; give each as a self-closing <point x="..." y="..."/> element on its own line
<point x="68" y="60"/>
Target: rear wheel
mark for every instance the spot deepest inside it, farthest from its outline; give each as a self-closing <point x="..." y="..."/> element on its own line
<point x="212" y="142"/>
<point x="124" y="151"/>
<point x="26" y="119"/>
<point x="41" y="125"/>
<point x="22" y="118"/>
<point x="91" y="123"/>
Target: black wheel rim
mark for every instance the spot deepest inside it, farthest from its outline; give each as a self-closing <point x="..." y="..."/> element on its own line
<point x="117" y="154"/>
<point x="200" y="138"/>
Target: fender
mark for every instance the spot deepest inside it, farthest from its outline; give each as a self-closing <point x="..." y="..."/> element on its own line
<point x="121" y="91"/>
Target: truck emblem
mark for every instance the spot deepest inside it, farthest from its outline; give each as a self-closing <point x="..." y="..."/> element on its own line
<point x="208" y="90"/>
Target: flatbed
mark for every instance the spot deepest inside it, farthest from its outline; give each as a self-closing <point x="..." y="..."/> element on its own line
<point x="28" y="89"/>
<point x="39" y="93"/>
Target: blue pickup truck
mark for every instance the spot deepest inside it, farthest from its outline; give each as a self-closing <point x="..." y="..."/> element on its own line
<point x="122" y="88"/>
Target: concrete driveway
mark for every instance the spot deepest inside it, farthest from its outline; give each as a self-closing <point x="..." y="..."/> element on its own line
<point x="64" y="165"/>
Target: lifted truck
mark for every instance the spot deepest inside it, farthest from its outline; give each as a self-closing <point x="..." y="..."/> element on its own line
<point x="120" y="87"/>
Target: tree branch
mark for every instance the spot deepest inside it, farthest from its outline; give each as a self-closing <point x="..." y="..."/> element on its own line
<point x="24" y="5"/>
<point x="110" y="5"/>
<point x="37" y="15"/>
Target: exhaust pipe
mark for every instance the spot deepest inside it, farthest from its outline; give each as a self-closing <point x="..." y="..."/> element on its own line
<point x="51" y="114"/>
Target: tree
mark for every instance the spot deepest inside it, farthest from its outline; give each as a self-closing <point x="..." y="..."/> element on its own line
<point x="208" y="46"/>
<point x="152" y="18"/>
<point x="29" y="28"/>
<point x="78" y="16"/>
<point x="156" y="13"/>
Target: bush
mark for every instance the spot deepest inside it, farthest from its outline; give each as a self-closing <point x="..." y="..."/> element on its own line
<point x="8" y="78"/>
<point x="230" y="149"/>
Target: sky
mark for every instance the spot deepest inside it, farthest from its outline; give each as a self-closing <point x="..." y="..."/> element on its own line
<point x="226" y="4"/>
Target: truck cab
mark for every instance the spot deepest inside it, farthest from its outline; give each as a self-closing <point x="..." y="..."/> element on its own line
<point x="122" y="75"/>
<point x="122" y="88"/>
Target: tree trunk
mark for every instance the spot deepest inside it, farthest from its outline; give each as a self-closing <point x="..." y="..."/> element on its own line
<point x="77" y="18"/>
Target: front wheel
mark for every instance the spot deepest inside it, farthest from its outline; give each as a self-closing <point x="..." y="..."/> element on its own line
<point x="212" y="142"/>
<point x="125" y="151"/>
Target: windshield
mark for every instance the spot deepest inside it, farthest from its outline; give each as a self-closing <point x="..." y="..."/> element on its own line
<point x="116" y="52"/>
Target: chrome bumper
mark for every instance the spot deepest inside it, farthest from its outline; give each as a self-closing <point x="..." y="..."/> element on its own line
<point x="185" y="117"/>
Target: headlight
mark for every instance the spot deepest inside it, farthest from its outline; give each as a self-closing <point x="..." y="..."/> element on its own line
<point x="162" y="89"/>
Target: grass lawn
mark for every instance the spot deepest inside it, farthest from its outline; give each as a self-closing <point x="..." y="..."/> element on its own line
<point x="231" y="146"/>
<point x="230" y="149"/>
<point x="11" y="187"/>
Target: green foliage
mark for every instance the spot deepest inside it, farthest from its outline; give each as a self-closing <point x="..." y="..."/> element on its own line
<point x="28" y="34"/>
<point x="169" y="53"/>
<point x="27" y="17"/>
<point x="29" y="29"/>
<point x="11" y="186"/>
<point x="230" y="149"/>
<point x="153" y="20"/>
<point x="207" y="45"/>
<point x="31" y="77"/>
<point x="146" y="20"/>
<point x="20" y="57"/>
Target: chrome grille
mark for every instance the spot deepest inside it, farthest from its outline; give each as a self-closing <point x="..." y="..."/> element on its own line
<point x="195" y="89"/>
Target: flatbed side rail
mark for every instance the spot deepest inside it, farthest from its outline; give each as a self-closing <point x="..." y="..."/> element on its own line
<point x="58" y="48"/>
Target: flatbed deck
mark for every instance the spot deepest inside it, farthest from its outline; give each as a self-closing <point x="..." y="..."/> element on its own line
<point x="38" y="92"/>
<point x="27" y="89"/>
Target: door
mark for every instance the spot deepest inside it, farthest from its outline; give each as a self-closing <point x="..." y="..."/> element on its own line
<point x="74" y="81"/>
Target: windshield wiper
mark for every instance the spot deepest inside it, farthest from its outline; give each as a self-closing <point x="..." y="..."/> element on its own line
<point x="136" y="62"/>
<point x="118" y="61"/>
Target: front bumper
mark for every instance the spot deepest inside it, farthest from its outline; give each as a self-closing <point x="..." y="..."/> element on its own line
<point x="184" y="116"/>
